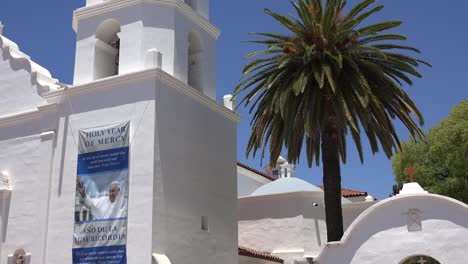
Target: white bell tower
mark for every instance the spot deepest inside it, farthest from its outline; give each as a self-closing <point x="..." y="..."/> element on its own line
<point x="116" y="37"/>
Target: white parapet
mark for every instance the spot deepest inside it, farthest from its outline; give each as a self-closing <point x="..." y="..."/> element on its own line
<point x="228" y="102"/>
<point x="412" y="188"/>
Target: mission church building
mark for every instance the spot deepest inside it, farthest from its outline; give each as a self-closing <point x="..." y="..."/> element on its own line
<point x="150" y="63"/>
<point x="107" y="169"/>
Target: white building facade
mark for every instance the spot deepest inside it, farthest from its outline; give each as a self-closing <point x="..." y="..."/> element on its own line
<point x="411" y="227"/>
<point x="286" y="219"/>
<point x="151" y="63"/>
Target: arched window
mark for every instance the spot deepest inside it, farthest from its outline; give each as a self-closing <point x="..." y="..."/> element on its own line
<point x="420" y="260"/>
<point x="106" y="55"/>
<point x="195" y="62"/>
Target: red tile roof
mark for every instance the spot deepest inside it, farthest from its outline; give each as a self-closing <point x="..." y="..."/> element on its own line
<point x="349" y="193"/>
<point x="243" y="251"/>
<point x="263" y="174"/>
<point x="344" y="192"/>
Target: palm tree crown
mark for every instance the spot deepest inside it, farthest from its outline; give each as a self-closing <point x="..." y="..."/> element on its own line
<point x="330" y="76"/>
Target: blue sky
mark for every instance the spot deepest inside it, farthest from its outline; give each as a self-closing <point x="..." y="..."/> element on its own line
<point x="43" y="30"/>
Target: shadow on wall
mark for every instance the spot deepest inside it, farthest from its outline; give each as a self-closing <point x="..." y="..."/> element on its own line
<point x="195" y="62"/>
<point x="5" y="196"/>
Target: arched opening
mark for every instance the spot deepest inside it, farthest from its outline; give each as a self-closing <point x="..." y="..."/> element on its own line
<point x="195" y="62"/>
<point x="420" y="259"/>
<point x="107" y="50"/>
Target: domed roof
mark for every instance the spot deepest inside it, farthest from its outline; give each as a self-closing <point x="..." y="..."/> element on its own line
<point x="291" y="185"/>
<point x="286" y="185"/>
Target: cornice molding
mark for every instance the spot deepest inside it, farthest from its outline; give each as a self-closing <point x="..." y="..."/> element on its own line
<point x="155" y="73"/>
<point x="27" y="115"/>
<point x="109" y="6"/>
<point x="106" y="47"/>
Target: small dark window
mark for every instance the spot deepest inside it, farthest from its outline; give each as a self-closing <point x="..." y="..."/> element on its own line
<point x="204" y="223"/>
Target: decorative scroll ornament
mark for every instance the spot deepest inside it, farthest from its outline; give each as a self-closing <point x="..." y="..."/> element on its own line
<point x="413" y="218"/>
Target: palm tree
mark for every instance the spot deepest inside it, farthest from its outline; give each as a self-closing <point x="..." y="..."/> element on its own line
<point x="328" y="77"/>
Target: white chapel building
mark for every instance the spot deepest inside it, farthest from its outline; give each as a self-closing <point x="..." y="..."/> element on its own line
<point x="153" y="63"/>
<point x="283" y="221"/>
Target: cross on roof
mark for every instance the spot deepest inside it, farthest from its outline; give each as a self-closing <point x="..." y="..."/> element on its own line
<point x="411" y="171"/>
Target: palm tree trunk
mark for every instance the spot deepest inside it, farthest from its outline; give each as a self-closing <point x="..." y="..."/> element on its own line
<point x="332" y="179"/>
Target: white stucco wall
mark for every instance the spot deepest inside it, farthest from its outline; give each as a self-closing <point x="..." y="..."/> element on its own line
<point x="288" y="225"/>
<point x="27" y="159"/>
<point x="355" y="199"/>
<point x="21" y="80"/>
<point x="248" y="181"/>
<point x="352" y="210"/>
<point x="197" y="151"/>
<point x="381" y="233"/>
<point x="173" y="137"/>
<point x="182" y="143"/>
<point x="17" y="91"/>
<point x="27" y="146"/>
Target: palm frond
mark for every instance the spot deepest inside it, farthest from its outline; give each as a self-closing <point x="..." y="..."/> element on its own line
<point x="329" y="70"/>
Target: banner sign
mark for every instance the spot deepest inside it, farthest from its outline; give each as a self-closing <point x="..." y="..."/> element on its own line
<point x="100" y="234"/>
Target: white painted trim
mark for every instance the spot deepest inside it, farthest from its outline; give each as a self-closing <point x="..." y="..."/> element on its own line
<point x="118" y="80"/>
<point x="361" y="221"/>
<point x="109" y="6"/>
<point x="161" y="259"/>
<point x="27" y="115"/>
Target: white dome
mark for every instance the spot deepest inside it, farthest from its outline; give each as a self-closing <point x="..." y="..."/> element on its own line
<point x="286" y="185"/>
<point x="291" y="185"/>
